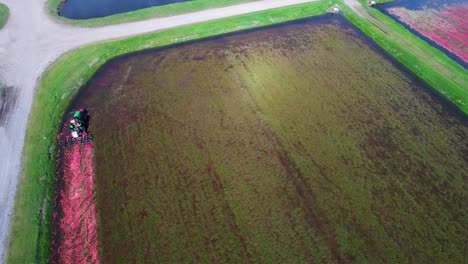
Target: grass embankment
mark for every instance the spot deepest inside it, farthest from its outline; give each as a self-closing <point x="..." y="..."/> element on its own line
<point x="430" y="64"/>
<point x="4" y="13"/>
<point x="275" y="146"/>
<point x="382" y="1"/>
<point x="30" y="231"/>
<point x="142" y="14"/>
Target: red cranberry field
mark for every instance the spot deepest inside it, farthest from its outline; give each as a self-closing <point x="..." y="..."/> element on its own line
<point x="445" y="24"/>
<point x="75" y="219"/>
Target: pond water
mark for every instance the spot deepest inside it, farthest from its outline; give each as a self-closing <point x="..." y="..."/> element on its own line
<point x="85" y="9"/>
<point x="442" y="23"/>
<point x="301" y="142"/>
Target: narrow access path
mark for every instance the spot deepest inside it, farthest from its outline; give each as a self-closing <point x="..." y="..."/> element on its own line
<point x="31" y="41"/>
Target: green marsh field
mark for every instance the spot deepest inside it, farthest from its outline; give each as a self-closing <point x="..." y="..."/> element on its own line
<point x="298" y="143"/>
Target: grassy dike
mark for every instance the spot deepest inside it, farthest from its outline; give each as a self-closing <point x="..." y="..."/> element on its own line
<point x="31" y="224"/>
<point x="4" y="13"/>
<point x="430" y="64"/>
<point x="142" y="14"/>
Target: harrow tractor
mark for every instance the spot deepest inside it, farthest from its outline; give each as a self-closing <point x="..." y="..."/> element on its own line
<point x="78" y="129"/>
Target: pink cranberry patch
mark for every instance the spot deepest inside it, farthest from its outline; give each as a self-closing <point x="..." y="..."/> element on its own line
<point x="75" y="219"/>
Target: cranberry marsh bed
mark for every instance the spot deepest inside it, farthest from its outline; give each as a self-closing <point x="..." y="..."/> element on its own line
<point x="301" y="142"/>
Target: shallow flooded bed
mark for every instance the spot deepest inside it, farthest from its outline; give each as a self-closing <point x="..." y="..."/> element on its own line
<point x="84" y="9"/>
<point x="297" y="143"/>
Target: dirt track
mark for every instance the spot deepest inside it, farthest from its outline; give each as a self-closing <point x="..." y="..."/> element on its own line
<point x="31" y="40"/>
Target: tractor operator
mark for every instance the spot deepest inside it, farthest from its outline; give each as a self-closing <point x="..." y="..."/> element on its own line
<point x="77" y="121"/>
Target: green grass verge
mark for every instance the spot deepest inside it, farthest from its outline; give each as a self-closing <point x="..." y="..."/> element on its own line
<point x="430" y="64"/>
<point x="383" y="1"/>
<point x="4" y="13"/>
<point x="31" y="223"/>
<point x="142" y="14"/>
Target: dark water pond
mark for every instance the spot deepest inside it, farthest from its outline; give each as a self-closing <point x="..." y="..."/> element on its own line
<point x="85" y="9"/>
<point x="446" y="22"/>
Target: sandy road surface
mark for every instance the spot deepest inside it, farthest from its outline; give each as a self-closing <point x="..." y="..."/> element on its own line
<point x="31" y="40"/>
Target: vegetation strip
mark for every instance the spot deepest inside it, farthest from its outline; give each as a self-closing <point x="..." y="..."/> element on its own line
<point x="31" y="225"/>
<point x="142" y="14"/>
<point x="4" y="13"/>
